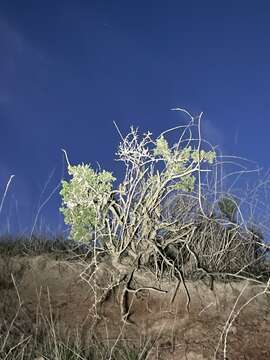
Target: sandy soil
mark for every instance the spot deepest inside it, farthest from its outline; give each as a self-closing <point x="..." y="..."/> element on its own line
<point x="180" y="332"/>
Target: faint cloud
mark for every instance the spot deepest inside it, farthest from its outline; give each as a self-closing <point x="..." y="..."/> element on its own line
<point x="17" y="56"/>
<point x="11" y="44"/>
<point x="236" y="135"/>
<point x="212" y="133"/>
<point x="4" y="99"/>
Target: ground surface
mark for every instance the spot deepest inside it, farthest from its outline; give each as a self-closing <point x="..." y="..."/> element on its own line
<point x="56" y="288"/>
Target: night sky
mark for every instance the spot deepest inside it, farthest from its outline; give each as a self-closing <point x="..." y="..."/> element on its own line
<point x="68" y="69"/>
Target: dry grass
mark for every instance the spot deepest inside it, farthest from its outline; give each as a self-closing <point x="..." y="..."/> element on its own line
<point x="24" y="336"/>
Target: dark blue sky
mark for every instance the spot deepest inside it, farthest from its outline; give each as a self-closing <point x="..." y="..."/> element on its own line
<point x="69" y="68"/>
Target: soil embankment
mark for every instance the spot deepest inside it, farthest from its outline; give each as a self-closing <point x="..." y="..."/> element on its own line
<point x="181" y="330"/>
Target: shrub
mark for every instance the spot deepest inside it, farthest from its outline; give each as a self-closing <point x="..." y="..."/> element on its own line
<point x="128" y="219"/>
<point x="132" y="221"/>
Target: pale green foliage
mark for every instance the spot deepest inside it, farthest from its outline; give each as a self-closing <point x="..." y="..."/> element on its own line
<point x="178" y="161"/>
<point x="205" y="156"/>
<point x="228" y="207"/>
<point x="83" y="199"/>
<point x="162" y="148"/>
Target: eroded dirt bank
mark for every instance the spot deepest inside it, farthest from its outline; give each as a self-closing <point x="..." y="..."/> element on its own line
<point x="55" y="288"/>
